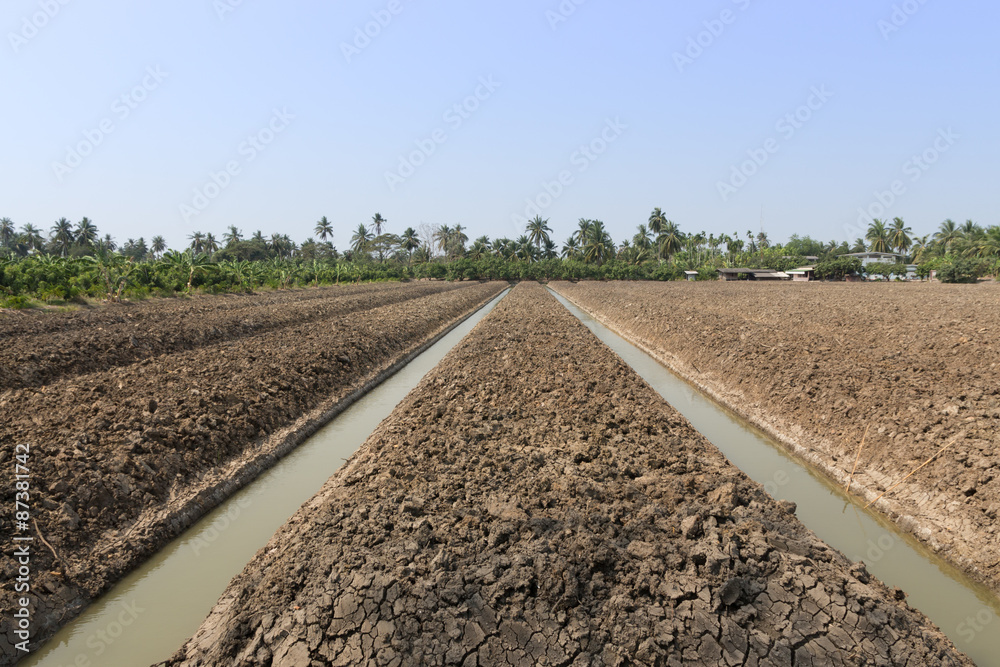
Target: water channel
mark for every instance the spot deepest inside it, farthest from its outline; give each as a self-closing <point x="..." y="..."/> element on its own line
<point x="964" y="610"/>
<point x="150" y="613"/>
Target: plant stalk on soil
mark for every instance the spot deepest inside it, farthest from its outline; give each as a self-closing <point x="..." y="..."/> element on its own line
<point x="936" y="454"/>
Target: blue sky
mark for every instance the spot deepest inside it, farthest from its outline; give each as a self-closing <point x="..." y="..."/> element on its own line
<point x="170" y="118"/>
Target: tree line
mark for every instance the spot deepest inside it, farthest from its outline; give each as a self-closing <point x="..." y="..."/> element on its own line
<point x="73" y="261"/>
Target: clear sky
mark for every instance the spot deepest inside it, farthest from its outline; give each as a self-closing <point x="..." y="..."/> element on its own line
<point x="171" y="117"/>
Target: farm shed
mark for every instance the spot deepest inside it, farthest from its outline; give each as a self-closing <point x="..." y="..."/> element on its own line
<point x="803" y="274"/>
<point x="691" y="275"/>
<point x="874" y="257"/>
<point x="752" y="274"/>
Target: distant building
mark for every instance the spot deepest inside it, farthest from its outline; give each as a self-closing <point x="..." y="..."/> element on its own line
<point x="752" y="274"/>
<point x="803" y="274"/>
<point x="876" y="257"/>
<point x="691" y="275"/>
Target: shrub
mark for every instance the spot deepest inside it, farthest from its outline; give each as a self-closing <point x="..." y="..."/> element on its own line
<point x="838" y="269"/>
<point x="959" y="271"/>
<point x="15" y="302"/>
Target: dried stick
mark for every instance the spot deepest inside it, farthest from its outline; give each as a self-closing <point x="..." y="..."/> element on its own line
<point x="51" y="548"/>
<point x="860" y="447"/>
<point x="953" y="441"/>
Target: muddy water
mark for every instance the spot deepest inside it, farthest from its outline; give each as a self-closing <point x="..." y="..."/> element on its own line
<point x="967" y="612"/>
<point x="150" y="613"/>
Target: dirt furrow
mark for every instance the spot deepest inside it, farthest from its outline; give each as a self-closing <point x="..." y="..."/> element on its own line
<point x="44" y="347"/>
<point x="917" y="366"/>
<point x="123" y="460"/>
<point x="533" y="501"/>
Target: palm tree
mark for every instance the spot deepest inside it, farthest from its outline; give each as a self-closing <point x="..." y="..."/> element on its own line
<point x="233" y="236"/>
<point x="62" y="235"/>
<point x="878" y="235"/>
<point x="211" y="245"/>
<point x="643" y="237"/>
<point x="324" y="230"/>
<point x="526" y="251"/>
<point x="670" y="240"/>
<point x="442" y="236"/>
<point x="550" y="251"/>
<point x="6" y="231"/>
<point x="599" y="247"/>
<point x="157" y="245"/>
<point x="361" y="238"/>
<point x="197" y="242"/>
<point x="479" y="249"/>
<point x="410" y="242"/>
<point x="258" y="237"/>
<point x="458" y="240"/>
<point x="657" y="221"/>
<point x="899" y="236"/>
<point x="970" y="228"/>
<point x="86" y="233"/>
<point x="571" y="248"/>
<point x="538" y="231"/>
<point x="582" y="232"/>
<point x="859" y="245"/>
<point x="377" y="223"/>
<point x="947" y="234"/>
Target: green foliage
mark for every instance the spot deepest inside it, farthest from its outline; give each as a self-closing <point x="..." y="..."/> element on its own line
<point x="15" y="302"/>
<point x="839" y="268"/>
<point x="960" y="271"/>
<point x="885" y="270"/>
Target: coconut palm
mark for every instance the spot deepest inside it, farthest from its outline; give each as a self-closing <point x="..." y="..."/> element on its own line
<point x="538" y="231"/>
<point x="210" y="244"/>
<point x="409" y="242"/>
<point x="6" y="231"/>
<point x="324" y="230"/>
<point x="670" y="240"/>
<point x="361" y="238"/>
<point x="86" y="233"/>
<point x="947" y="234"/>
<point x="157" y="245"/>
<point x="878" y="236"/>
<point x="571" y="248"/>
<point x="62" y="236"/>
<point x="197" y="242"/>
<point x="599" y="248"/>
<point x="582" y="232"/>
<point x="442" y="236"/>
<point x="232" y="236"/>
<point x="525" y="250"/>
<point x="899" y="236"/>
<point x="643" y="237"/>
<point x="377" y="223"/>
<point x="657" y="221"/>
<point x="458" y="240"/>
